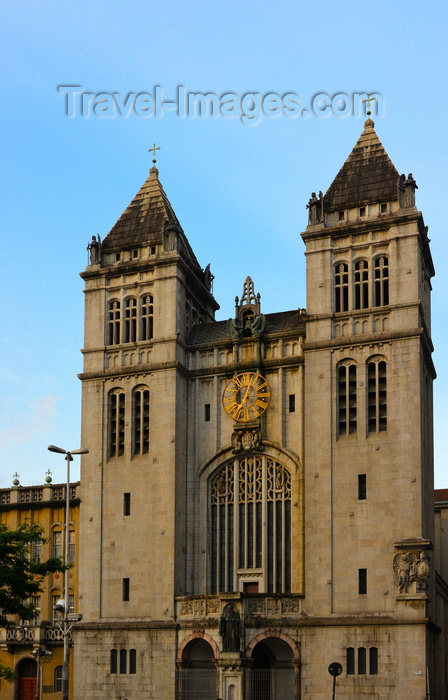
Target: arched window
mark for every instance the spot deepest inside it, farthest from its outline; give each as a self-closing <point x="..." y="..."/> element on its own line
<point x="373" y="661"/>
<point x="116" y="423"/>
<point x="146" y="317"/>
<point x="350" y="661"/>
<point x="347" y="398"/>
<point x="123" y="660"/>
<point x="141" y="420"/>
<point x="376" y="395"/>
<point x="114" y="322"/>
<point x="361" y="282"/>
<point x="132" y="661"/>
<point x="381" y="277"/>
<point x="130" y="321"/>
<point x="251" y="524"/>
<point x="58" y="679"/>
<point x="361" y="661"/>
<point x="341" y="287"/>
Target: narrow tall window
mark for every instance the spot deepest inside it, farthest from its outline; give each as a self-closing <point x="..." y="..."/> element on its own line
<point x="57" y="543"/>
<point x="116" y="423"/>
<point x="373" y="661"/>
<point x="130" y="321"/>
<point x="377" y="396"/>
<point x="146" y="317"/>
<point x="141" y="420"/>
<point x="125" y="589"/>
<point x="126" y="504"/>
<point x="350" y="661"/>
<point x="113" y="661"/>
<point x="207" y="412"/>
<point x="347" y="398"/>
<point x="362" y="581"/>
<point x="362" y="487"/>
<point x="71" y="547"/>
<point x="132" y="661"/>
<point x="361" y="281"/>
<point x="114" y="323"/>
<point x="292" y="403"/>
<point x="341" y="287"/>
<point x="362" y="661"/>
<point x="381" y="276"/>
<point x="123" y="660"/>
<point x="37" y="552"/>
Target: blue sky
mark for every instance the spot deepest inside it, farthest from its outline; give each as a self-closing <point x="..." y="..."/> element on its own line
<point x="239" y="189"/>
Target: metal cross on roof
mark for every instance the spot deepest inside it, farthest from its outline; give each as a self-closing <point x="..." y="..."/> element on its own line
<point x="154" y="149"/>
<point x="368" y="101"/>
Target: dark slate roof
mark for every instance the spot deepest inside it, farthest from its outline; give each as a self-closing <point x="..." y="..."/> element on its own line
<point x="218" y="331"/>
<point x="368" y="175"/>
<point x="142" y="221"/>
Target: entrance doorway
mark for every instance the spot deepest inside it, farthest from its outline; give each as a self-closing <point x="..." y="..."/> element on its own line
<point x="271" y="676"/>
<point x="27" y="673"/>
<point x="197" y="676"/>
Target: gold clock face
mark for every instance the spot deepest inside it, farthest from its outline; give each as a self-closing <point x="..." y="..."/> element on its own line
<point x="246" y="396"/>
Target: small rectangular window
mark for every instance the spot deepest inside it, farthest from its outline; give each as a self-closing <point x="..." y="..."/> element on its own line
<point x="362" y="487"/>
<point x="383" y="208"/>
<point x="126" y="504"/>
<point x="341" y="215"/>
<point x="117" y="257"/>
<point x="125" y="589"/>
<point x="362" y="211"/>
<point x="206" y="412"/>
<point x="362" y="581"/>
<point x="135" y="253"/>
<point x="292" y="403"/>
<point x="152" y="250"/>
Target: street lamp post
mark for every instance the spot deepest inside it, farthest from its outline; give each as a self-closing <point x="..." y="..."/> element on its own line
<point x="68" y="457"/>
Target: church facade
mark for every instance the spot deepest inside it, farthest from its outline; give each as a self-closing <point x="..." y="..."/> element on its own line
<point x="257" y="501"/>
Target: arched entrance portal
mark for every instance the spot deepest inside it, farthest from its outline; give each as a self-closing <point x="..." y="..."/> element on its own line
<point x="196" y="675"/>
<point x="26" y="671"/>
<point x="271" y="675"/>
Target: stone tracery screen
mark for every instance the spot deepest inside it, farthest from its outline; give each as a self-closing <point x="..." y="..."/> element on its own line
<point x="250" y="511"/>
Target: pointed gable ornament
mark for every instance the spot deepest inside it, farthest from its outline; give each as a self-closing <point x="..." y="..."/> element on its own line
<point x="248" y="321"/>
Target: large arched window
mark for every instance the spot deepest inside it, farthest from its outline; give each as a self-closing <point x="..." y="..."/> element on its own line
<point x="250" y="501"/>
<point x="141" y="420"/>
<point x="116" y="423"/>
<point x="347" y="398"/>
<point x="376" y="395"/>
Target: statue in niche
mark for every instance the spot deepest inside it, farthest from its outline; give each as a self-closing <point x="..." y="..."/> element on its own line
<point x="230" y="628"/>
<point x="208" y="278"/>
<point x="94" y="248"/>
<point x="171" y="235"/>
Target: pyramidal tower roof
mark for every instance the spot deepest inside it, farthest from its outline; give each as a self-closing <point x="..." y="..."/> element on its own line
<point x="143" y="220"/>
<point x="368" y="175"/>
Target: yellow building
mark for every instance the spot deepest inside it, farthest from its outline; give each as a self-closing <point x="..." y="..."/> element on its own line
<point x="22" y="643"/>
